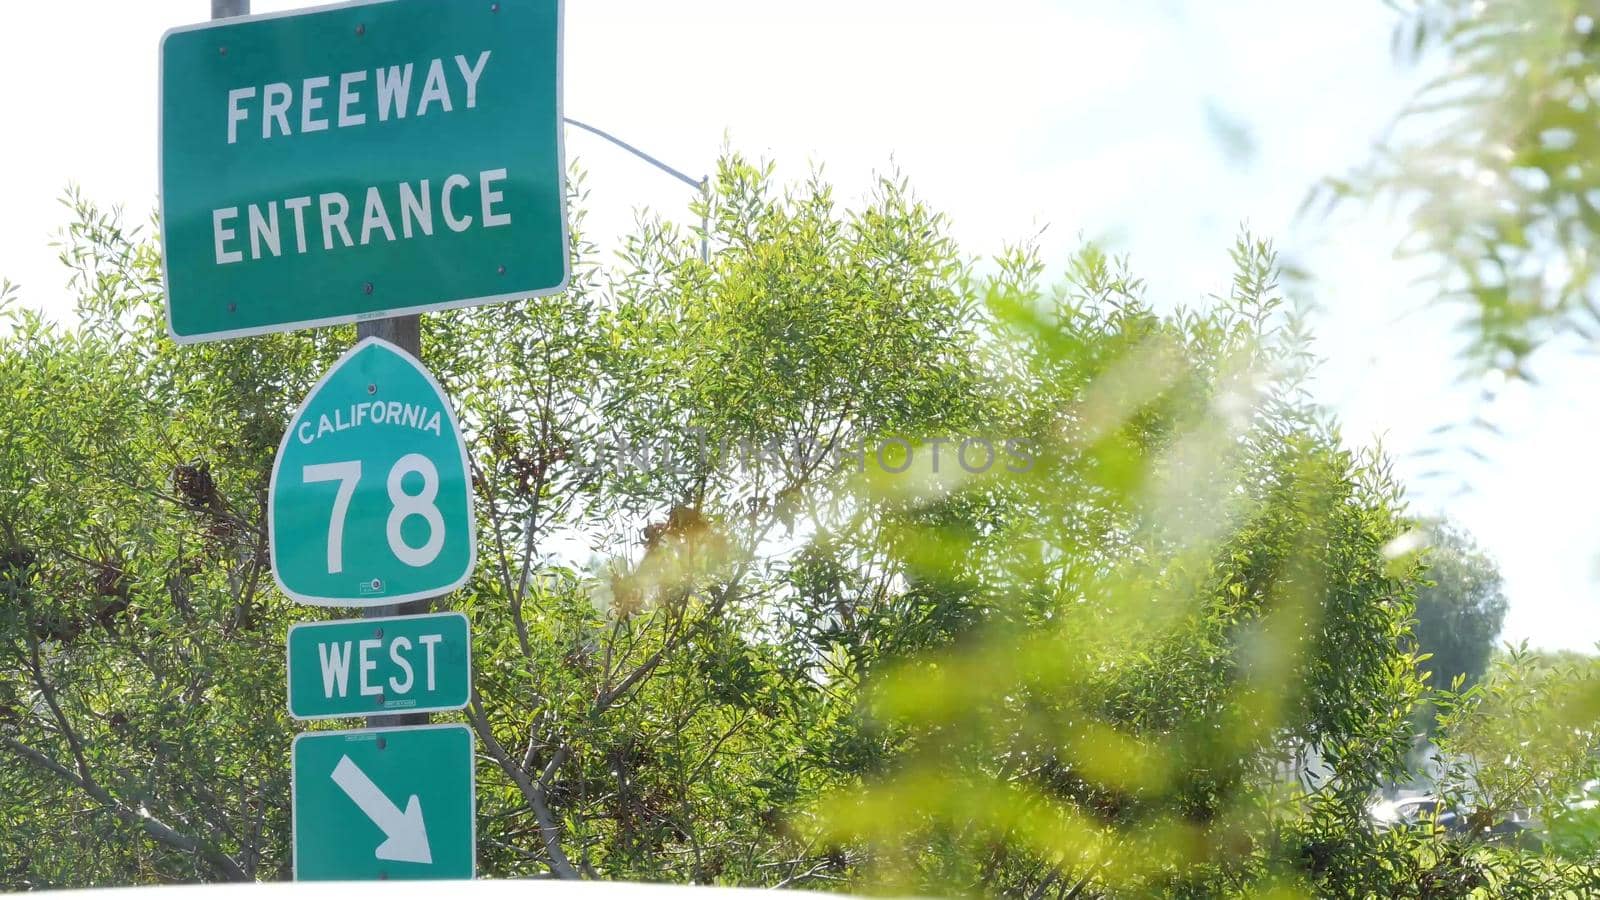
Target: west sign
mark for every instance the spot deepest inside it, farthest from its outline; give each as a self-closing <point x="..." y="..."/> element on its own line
<point x="394" y="664"/>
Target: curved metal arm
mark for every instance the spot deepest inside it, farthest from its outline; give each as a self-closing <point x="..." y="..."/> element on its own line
<point x="703" y="184"/>
<point x="691" y="182"/>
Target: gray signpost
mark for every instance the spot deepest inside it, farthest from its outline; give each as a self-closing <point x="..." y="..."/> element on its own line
<point x="365" y="162"/>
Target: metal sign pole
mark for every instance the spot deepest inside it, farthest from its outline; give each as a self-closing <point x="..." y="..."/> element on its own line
<point x="404" y="332"/>
<point x="410" y="779"/>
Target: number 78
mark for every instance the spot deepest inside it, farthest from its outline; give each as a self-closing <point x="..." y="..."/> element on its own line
<point x="401" y="507"/>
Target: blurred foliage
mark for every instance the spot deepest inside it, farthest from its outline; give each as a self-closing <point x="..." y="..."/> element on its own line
<point x="835" y="563"/>
<point x="1495" y="165"/>
<point x="1524" y="738"/>
<point x="1523" y="745"/>
<point x="1190" y="583"/>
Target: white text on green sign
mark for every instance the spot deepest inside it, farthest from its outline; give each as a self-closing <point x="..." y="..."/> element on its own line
<point x="360" y="160"/>
<point x="361" y="667"/>
<point x="370" y="501"/>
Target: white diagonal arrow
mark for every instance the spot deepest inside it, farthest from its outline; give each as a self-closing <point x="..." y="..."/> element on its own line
<point x="407" y="837"/>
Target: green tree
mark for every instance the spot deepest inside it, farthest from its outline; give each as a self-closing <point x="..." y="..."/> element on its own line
<point x="1078" y="656"/>
<point x="1524" y="738"/>
<point x="1523" y="742"/>
<point x="640" y="717"/>
<point x="1460" y="607"/>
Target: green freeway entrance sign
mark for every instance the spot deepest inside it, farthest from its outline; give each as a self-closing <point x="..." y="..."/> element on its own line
<point x="370" y="502"/>
<point x="362" y="667"/>
<point x="362" y="160"/>
<point x="383" y="803"/>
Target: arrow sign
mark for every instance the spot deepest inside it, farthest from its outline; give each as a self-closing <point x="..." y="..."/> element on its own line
<point x="408" y="835"/>
<point x="359" y="798"/>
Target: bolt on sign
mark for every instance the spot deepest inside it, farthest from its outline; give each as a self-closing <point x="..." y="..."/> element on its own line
<point x="383" y="803"/>
<point x="396" y="664"/>
<point x="358" y="161"/>
<point x="370" y="501"/>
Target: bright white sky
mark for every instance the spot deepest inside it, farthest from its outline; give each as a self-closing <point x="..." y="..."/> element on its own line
<point x="1089" y="117"/>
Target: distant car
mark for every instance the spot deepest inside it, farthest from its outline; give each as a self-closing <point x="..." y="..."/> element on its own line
<point x="1587" y="797"/>
<point x="1415" y="810"/>
<point x="1425" y="809"/>
<point x="1518" y="832"/>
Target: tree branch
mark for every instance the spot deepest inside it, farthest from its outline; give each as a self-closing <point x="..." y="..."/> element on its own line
<point x="535" y="794"/>
<point x="155" y="828"/>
